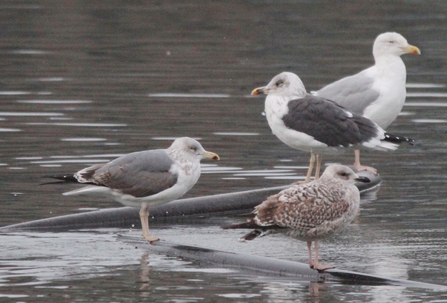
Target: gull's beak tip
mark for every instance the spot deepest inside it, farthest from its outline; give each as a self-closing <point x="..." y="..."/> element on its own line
<point x="257" y="91"/>
<point x="211" y="155"/>
<point x="413" y="50"/>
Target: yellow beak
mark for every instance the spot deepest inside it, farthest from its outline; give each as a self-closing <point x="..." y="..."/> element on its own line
<point x="257" y="91"/>
<point x="211" y="155"/>
<point x="411" y="49"/>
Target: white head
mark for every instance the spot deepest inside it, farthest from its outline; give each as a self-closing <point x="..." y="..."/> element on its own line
<point x="190" y="149"/>
<point x="393" y="44"/>
<point x="285" y="84"/>
<point x="342" y="173"/>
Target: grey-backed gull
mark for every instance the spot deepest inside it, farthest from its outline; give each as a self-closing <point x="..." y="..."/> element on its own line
<point x="145" y="178"/>
<point x="377" y="93"/>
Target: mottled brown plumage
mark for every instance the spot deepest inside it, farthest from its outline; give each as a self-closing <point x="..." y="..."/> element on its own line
<point x="312" y="210"/>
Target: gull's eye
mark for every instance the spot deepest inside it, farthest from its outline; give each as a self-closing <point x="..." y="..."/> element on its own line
<point x="279" y="83"/>
<point x="344" y="174"/>
<point x="392" y="41"/>
<point x="193" y="148"/>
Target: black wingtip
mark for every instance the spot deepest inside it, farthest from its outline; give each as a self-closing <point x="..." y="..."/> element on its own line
<point x="65" y="178"/>
<point x="251" y="235"/>
<point x="398" y="139"/>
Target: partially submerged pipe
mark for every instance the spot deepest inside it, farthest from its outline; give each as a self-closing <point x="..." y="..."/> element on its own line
<point x="121" y="216"/>
<point x="126" y="216"/>
<point x="269" y="266"/>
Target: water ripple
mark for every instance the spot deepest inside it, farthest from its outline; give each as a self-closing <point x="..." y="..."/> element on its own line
<point x="427" y="94"/>
<point x="13" y="93"/>
<point x="83" y="139"/>
<point x="29" y="114"/>
<point x="236" y="134"/>
<point x="78" y="124"/>
<point x="429" y="120"/>
<point x="172" y="95"/>
<point x="428" y="104"/>
<point x="54" y="101"/>
<point x="424" y="85"/>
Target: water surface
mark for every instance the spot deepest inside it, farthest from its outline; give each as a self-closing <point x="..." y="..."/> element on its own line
<point x="84" y="82"/>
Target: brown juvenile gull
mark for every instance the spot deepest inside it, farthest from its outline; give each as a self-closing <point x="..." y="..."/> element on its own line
<point x="315" y="124"/>
<point x="378" y="92"/>
<point x="145" y="178"/>
<point x="312" y="210"/>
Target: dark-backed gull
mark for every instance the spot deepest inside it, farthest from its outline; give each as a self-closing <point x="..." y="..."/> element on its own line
<point x="315" y="124"/>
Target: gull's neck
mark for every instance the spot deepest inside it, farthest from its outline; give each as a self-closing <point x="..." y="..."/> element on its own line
<point x="189" y="164"/>
<point x="390" y="63"/>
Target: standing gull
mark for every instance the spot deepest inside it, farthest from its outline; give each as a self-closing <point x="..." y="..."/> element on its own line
<point x="312" y="210"/>
<point x="377" y="93"/>
<point x="315" y="124"/>
<point x="145" y="178"/>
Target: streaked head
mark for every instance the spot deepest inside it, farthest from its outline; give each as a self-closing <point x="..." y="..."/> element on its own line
<point x="191" y="147"/>
<point x="343" y="173"/>
<point x="285" y="84"/>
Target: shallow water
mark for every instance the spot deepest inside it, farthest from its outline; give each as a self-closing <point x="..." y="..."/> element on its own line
<point x="84" y="82"/>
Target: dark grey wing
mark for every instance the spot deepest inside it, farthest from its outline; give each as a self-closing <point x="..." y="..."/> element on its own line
<point x="328" y="122"/>
<point x="355" y="92"/>
<point x="139" y="174"/>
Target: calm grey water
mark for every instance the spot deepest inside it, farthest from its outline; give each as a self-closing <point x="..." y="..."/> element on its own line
<point x="84" y="81"/>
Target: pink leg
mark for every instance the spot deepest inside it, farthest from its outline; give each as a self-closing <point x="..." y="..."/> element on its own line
<point x="309" y="171"/>
<point x="309" y="250"/>
<point x="318" y="169"/>
<point x="316" y="264"/>
<point x="144" y="217"/>
<point x="360" y="167"/>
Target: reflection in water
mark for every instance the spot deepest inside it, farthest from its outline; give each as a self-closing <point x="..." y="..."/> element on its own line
<point x="144" y="275"/>
<point x="94" y="80"/>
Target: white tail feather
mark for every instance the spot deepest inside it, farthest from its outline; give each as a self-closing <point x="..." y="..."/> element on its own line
<point x="88" y="190"/>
